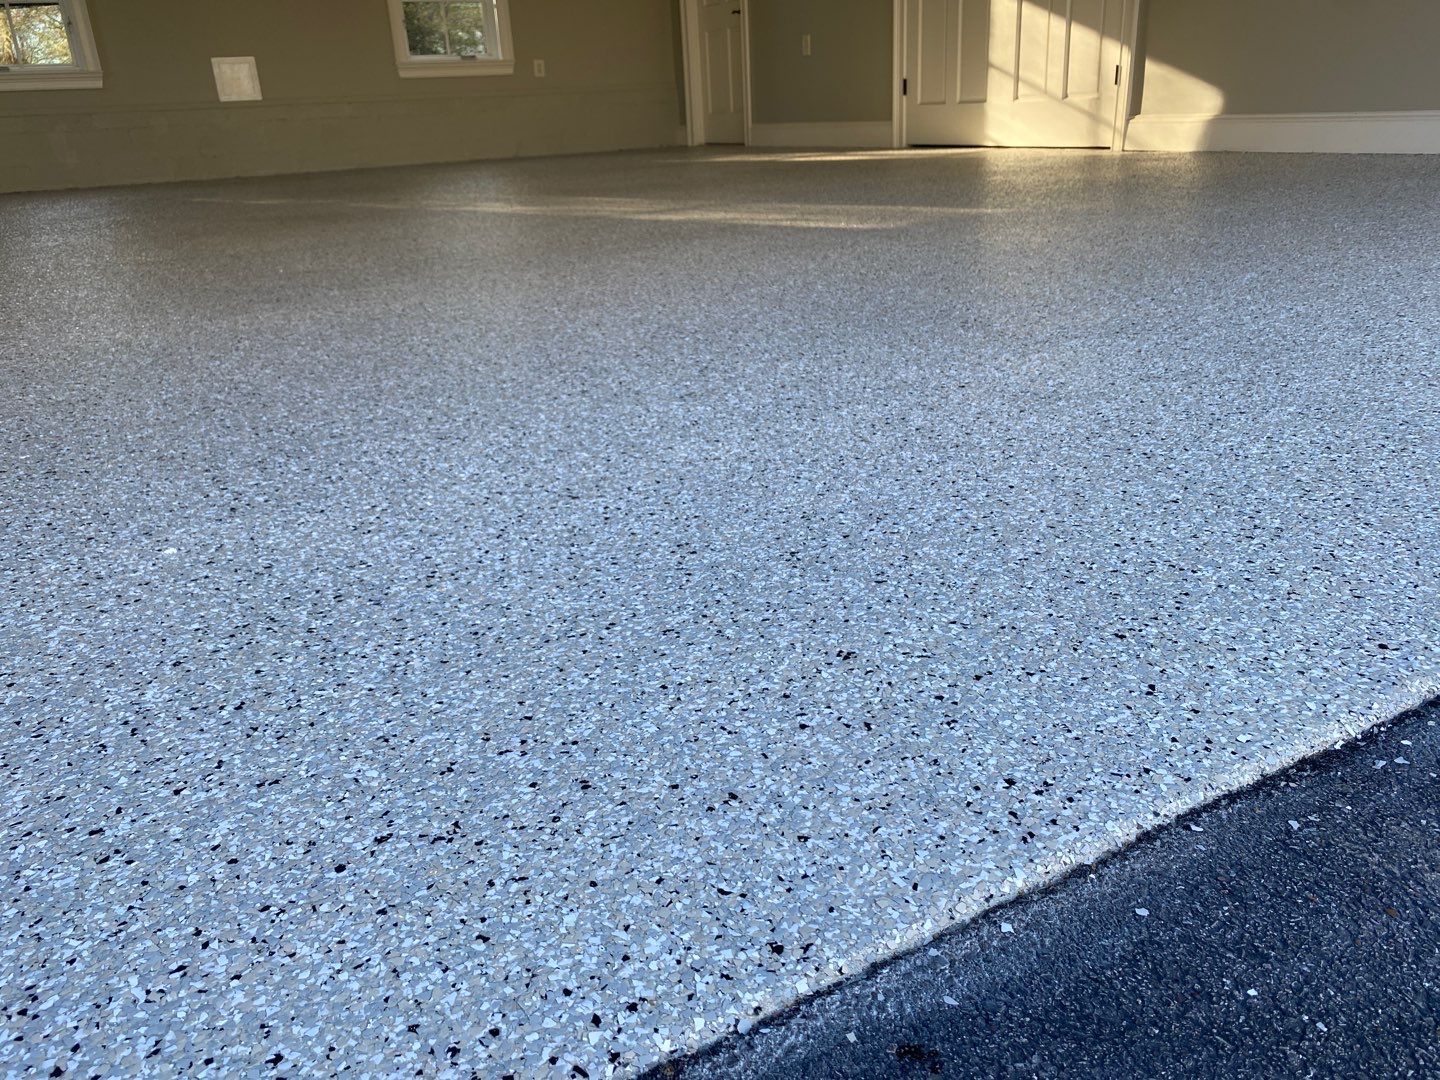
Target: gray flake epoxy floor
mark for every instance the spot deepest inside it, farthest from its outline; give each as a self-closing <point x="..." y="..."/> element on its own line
<point x="475" y="617"/>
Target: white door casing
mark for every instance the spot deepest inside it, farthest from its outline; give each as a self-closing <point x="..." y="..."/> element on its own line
<point x="1012" y="72"/>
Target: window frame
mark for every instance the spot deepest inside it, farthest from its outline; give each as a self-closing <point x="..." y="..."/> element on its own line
<point x="428" y="67"/>
<point x="83" y="74"/>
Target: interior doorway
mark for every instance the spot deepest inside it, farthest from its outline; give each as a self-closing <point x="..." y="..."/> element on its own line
<point x="716" y="71"/>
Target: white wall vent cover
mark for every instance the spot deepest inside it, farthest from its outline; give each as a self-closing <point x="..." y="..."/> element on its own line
<point x="236" y="78"/>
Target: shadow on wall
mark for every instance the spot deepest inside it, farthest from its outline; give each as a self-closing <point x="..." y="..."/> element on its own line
<point x="1206" y="101"/>
<point x="1288" y="75"/>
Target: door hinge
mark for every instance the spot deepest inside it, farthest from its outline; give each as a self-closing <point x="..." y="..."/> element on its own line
<point x="904" y="87"/>
<point x="1117" y="74"/>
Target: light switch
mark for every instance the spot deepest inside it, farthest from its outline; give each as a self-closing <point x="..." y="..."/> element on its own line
<point x="805" y="45"/>
<point x="236" y="78"/>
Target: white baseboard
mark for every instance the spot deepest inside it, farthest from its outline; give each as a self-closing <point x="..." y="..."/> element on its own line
<point x="1290" y="133"/>
<point x="867" y="134"/>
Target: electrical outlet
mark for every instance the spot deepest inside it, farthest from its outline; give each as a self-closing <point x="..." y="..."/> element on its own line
<point x="540" y="69"/>
<point x="804" y="44"/>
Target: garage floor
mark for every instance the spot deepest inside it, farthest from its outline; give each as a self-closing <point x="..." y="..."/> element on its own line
<point x="540" y="614"/>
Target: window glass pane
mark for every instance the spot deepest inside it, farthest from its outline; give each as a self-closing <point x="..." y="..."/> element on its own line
<point x="425" y="28"/>
<point x="446" y="28"/>
<point x="467" y="29"/>
<point x="34" y="33"/>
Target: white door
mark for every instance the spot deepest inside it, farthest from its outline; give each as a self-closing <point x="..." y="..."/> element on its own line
<point x="722" y="78"/>
<point x="947" y="66"/>
<point x="1011" y="72"/>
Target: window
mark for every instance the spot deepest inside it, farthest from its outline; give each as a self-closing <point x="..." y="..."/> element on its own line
<point x="46" y="45"/>
<point x="452" y="37"/>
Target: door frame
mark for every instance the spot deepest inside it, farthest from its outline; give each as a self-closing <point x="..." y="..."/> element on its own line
<point x="1130" y="54"/>
<point x="898" y="30"/>
<point x="694" y="73"/>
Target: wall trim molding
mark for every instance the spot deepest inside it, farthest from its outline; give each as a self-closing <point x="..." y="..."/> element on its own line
<point x="846" y="134"/>
<point x="31" y="79"/>
<point x="1412" y="132"/>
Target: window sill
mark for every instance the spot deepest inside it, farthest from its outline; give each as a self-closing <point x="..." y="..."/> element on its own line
<point x="445" y="68"/>
<point x="51" y="80"/>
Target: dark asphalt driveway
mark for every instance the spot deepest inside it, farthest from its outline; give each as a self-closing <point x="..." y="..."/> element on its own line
<point x="1289" y="930"/>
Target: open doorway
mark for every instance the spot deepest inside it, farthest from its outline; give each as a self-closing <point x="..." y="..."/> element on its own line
<point x="717" y="71"/>
<point x="1014" y="72"/>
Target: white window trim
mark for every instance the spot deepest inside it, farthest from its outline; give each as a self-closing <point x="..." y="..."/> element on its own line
<point x="84" y="74"/>
<point x="430" y="67"/>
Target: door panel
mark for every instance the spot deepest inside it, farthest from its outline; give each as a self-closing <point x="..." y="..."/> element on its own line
<point x="939" y="27"/>
<point x="1011" y="72"/>
<point x="947" y="50"/>
<point x="723" y="74"/>
<point x="1030" y="35"/>
<point x="974" y="50"/>
<point x="1082" y="73"/>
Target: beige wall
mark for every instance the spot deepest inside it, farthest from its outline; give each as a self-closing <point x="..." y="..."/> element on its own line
<point x="332" y="96"/>
<point x="1203" y="56"/>
<point x="847" y="75"/>
<point x="1291" y="56"/>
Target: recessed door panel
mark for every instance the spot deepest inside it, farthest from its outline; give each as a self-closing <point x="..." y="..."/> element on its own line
<point x="1087" y="46"/>
<point x="939" y="34"/>
<point x="1030" y="70"/>
<point x="974" y="50"/>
